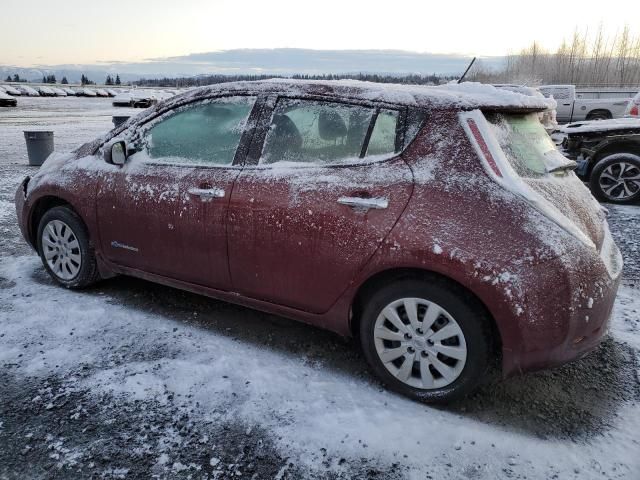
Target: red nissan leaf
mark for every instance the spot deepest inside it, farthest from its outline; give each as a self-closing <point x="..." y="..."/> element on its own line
<point x="438" y="225"/>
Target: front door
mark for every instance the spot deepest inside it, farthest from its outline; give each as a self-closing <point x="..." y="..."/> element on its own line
<point x="327" y="189"/>
<point x="165" y="211"/>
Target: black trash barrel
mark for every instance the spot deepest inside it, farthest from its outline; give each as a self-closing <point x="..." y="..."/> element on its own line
<point x="119" y="120"/>
<point x="39" y="146"/>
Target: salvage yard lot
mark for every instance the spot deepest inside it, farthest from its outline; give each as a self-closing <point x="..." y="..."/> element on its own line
<point x="135" y="380"/>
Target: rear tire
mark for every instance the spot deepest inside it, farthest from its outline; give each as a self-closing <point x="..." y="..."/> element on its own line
<point x="65" y="249"/>
<point x="599" y="115"/>
<point x="441" y="306"/>
<point x="616" y="178"/>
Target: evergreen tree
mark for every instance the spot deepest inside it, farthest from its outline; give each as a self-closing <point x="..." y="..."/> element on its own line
<point x="16" y="78"/>
<point x="44" y="79"/>
<point x="64" y="81"/>
<point x="118" y="80"/>
<point x="8" y="79"/>
<point x="83" y="80"/>
<point x="109" y="81"/>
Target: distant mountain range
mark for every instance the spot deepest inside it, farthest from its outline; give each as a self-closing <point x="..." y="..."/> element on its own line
<point x="279" y="61"/>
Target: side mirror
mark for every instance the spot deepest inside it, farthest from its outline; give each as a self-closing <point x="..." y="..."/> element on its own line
<point x="116" y="153"/>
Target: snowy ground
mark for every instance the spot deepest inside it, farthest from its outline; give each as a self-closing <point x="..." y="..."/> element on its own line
<point x="135" y="380"/>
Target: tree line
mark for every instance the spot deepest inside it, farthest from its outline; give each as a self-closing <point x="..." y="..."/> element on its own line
<point x="201" y="80"/>
<point x="586" y="59"/>
<point x="84" y="80"/>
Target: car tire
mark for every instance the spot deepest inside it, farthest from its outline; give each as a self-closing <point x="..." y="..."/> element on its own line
<point x="454" y="303"/>
<point x="599" y="115"/>
<point x="613" y="178"/>
<point x="65" y="248"/>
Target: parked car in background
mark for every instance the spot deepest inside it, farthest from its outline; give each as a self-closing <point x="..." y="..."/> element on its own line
<point x="101" y="93"/>
<point x="633" y="107"/>
<point x="587" y="105"/>
<point x="59" y="92"/>
<point x="45" y="91"/>
<point x="70" y="91"/>
<point x="7" y="100"/>
<point x="11" y="90"/>
<point x="111" y="92"/>
<point x="122" y="100"/>
<point x="86" y="92"/>
<point x="346" y="205"/>
<point x="608" y="156"/>
<point x="26" y="90"/>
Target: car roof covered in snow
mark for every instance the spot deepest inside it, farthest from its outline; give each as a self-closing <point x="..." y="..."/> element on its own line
<point x="465" y="96"/>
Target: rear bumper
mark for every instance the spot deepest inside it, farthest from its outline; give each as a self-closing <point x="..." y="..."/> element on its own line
<point x="569" y="312"/>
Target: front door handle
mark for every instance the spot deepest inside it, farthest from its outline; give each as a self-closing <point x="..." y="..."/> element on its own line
<point x="206" y="193"/>
<point x="364" y="203"/>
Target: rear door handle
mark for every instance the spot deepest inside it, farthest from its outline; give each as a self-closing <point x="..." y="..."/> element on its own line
<point x="364" y="203"/>
<point x="207" y="192"/>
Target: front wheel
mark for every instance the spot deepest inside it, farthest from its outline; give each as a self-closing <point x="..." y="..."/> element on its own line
<point x="616" y="178"/>
<point x="65" y="249"/>
<point x="427" y="339"/>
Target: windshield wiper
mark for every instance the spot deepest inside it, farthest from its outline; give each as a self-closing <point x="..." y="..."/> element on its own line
<point x="570" y="165"/>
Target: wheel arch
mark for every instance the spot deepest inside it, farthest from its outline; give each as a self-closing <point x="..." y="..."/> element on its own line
<point x="628" y="146"/>
<point x="597" y="111"/>
<point x="385" y="277"/>
<point x="40" y="207"/>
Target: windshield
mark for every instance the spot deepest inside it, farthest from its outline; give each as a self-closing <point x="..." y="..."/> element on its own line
<point x="526" y="144"/>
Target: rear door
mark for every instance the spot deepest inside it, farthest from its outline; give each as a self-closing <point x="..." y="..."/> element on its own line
<point x="316" y="199"/>
<point x="165" y="211"/>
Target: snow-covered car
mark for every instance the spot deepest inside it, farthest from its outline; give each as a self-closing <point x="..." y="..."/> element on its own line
<point x="438" y="225"/>
<point x="608" y="157"/>
<point x="122" y="100"/>
<point x="70" y="91"/>
<point x="45" y="91"/>
<point x="26" y="90"/>
<point x="7" y="100"/>
<point x="101" y="93"/>
<point x="633" y="108"/>
<point x="59" y="92"/>
<point x="86" y="92"/>
<point x="111" y="92"/>
<point x="11" y="90"/>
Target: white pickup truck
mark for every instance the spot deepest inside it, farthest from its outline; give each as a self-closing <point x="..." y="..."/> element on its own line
<point x="593" y="104"/>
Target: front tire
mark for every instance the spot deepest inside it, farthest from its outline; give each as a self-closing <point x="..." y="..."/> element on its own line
<point x="65" y="248"/>
<point x="427" y="339"/>
<point x="616" y="178"/>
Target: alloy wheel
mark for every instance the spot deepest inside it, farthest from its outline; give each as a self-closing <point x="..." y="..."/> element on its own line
<point x="420" y="343"/>
<point x="620" y="181"/>
<point x="61" y="249"/>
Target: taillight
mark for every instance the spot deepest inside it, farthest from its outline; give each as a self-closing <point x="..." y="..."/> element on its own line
<point x="634" y="110"/>
<point x="473" y="126"/>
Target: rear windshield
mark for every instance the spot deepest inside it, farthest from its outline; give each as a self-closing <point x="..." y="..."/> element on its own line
<point x="525" y="143"/>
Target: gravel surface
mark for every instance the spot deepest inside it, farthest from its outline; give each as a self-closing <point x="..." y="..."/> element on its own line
<point x="136" y="380"/>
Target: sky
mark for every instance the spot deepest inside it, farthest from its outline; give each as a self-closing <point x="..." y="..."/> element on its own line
<point x="41" y="32"/>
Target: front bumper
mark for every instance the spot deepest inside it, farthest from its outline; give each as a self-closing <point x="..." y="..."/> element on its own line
<point x="20" y="200"/>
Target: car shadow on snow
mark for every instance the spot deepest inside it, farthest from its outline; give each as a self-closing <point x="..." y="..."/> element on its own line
<point x="574" y="401"/>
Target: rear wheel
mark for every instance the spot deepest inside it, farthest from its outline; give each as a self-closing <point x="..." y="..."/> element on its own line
<point x="65" y="249"/>
<point x="599" y="115"/>
<point x="616" y="178"/>
<point x="429" y="340"/>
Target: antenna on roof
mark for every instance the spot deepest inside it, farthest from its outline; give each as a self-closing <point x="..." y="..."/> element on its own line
<point x="467" y="70"/>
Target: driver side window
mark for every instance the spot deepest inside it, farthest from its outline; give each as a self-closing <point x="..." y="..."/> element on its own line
<point x="206" y="133"/>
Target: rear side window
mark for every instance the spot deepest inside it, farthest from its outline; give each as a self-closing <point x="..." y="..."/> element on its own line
<point x="306" y="131"/>
<point x="206" y="133"/>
